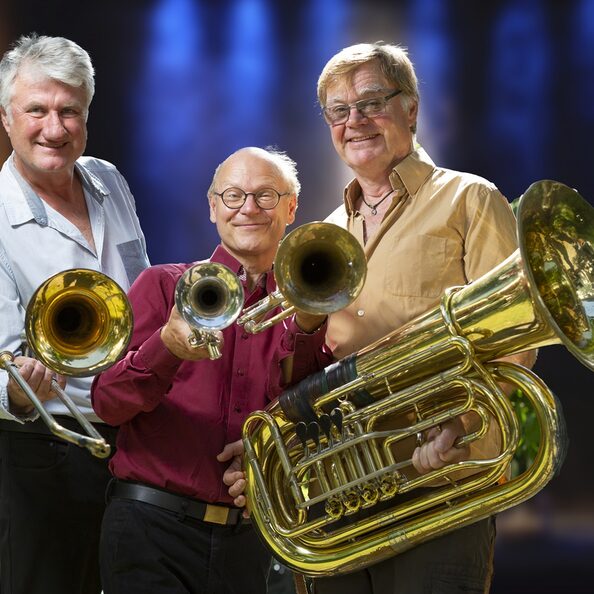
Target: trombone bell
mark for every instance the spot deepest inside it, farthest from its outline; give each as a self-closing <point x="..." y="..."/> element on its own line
<point x="209" y="297"/>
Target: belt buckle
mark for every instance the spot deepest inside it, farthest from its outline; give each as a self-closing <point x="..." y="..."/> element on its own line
<point x="216" y="514"/>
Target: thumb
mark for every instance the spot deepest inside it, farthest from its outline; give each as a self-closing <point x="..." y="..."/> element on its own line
<point x="230" y="451"/>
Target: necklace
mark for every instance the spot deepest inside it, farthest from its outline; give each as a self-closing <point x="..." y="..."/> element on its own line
<point x="373" y="207"/>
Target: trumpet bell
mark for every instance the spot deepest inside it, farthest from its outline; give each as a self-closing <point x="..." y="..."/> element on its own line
<point x="209" y="296"/>
<point x="320" y="268"/>
<point x="78" y="322"/>
<point x="556" y="231"/>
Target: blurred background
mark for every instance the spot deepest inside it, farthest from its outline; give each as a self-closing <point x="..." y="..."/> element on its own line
<point x="507" y="92"/>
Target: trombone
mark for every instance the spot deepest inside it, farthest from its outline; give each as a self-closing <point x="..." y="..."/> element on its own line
<point x="78" y="323"/>
<point x="209" y="297"/>
<point x="319" y="268"/>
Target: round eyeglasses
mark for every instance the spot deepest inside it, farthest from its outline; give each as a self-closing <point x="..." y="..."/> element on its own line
<point x="266" y="198"/>
<point x="369" y="108"/>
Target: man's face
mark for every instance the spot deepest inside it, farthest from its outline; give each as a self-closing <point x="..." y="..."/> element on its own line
<point x="47" y="127"/>
<point x="251" y="232"/>
<point x="370" y="145"/>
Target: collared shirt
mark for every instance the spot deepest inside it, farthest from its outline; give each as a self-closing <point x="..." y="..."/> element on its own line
<point x="443" y="228"/>
<point x="175" y="416"/>
<point x="37" y="242"/>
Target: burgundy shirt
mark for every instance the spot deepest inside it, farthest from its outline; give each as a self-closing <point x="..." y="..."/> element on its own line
<point x="175" y="416"/>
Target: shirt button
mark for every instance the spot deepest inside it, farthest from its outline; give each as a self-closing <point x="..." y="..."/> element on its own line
<point x="237" y="409"/>
<point x="240" y="372"/>
<point x="361" y="313"/>
<point x="245" y="336"/>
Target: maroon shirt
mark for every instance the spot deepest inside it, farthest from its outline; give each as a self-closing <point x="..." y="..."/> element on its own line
<point x="175" y="416"/>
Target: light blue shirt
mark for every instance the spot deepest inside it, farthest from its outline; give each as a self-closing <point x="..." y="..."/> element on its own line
<point x="37" y="242"/>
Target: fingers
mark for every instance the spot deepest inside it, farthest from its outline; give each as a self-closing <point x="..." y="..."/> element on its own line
<point x="38" y="377"/>
<point x="231" y="450"/>
<point x="439" y="449"/>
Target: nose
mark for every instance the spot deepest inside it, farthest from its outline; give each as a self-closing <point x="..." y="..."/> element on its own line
<point x="250" y="205"/>
<point x="54" y="128"/>
<point x="355" y="116"/>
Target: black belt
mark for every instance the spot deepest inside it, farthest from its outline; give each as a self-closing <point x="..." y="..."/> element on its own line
<point x="179" y="504"/>
<point x="39" y="427"/>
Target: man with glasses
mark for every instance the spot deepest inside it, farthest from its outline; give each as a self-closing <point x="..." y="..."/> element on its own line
<point x="170" y="525"/>
<point x="424" y="228"/>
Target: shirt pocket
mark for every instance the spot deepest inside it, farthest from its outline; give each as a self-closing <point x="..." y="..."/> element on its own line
<point x="416" y="266"/>
<point x="133" y="257"/>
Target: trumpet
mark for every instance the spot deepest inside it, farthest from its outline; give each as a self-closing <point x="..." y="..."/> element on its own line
<point x="328" y="447"/>
<point x="78" y="323"/>
<point x="319" y="268"/>
<point x="209" y="297"/>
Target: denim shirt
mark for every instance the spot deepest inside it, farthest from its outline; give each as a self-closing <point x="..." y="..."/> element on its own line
<point x="37" y="242"/>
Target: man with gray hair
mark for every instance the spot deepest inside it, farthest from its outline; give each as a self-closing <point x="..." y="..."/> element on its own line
<point x="58" y="210"/>
<point x="424" y="228"/>
<point x="170" y="520"/>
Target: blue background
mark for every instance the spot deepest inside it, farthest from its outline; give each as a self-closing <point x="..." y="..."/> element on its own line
<point x="507" y="92"/>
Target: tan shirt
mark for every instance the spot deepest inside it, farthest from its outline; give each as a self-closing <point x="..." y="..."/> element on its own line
<point x="443" y="228"/>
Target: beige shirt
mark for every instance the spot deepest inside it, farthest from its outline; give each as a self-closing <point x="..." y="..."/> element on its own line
<point x="443" y="228"/>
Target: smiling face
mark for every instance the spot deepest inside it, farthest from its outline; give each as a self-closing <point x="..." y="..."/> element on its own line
<point x="46" y="125"/>
<point x="371" y="146"/>
<point x="250" y="233"/>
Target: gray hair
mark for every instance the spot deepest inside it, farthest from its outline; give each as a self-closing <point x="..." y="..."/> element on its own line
<point x="393" y="61"/>
<point x="57" y="58"/>
<point x="286" y="166"/>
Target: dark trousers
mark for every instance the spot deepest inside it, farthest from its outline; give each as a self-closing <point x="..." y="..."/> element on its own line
<point x="148" y="549"/>
<point x="461" y="561"/>
<point x="51" y="507"/>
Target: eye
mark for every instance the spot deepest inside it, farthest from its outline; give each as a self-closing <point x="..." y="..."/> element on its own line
<point x="232" y="194"/>
<point x="36" y="110"/>
<point x="339" y="111"/>
<point x="267" y="194"/>
<point x="371" y="105"/>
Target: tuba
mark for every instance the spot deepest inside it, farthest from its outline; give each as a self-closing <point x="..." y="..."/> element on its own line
<point x="319" y="268"/>
<point x="209" y="297"/>
<point x="78" y="323"/>
<point x="328" y="488"/>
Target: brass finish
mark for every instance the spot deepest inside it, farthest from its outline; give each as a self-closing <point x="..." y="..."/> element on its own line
<point x="319" y="269"/>
<point x="78" y="323"/>
<point x="209" y="297"/>
<point x="323" y="450"/>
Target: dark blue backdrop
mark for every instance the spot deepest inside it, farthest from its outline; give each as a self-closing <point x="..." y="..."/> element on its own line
<point x="507" y="91"/>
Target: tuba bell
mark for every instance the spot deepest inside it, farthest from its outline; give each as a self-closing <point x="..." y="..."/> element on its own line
<point x="327" y="488"/>
<point x="209" y="297"/>
<point x="319" y="268"/>
<point x="78" y="323"/>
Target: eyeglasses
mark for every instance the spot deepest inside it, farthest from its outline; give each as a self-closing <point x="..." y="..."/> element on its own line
<point x="369" y="108"/>
<point x="266" y="198"/>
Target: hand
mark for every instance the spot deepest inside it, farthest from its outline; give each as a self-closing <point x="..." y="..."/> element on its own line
<point x="39" y="379"/>
<point x="438" y="449"/>
<point x="175" y="335"/>
<point x="234" y="477"/>
<point x="309" y="323"/>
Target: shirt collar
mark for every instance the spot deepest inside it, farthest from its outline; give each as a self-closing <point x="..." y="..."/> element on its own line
<point x="222" y="256"/>
<point x="26" y="205"/>
<point x="409" y="174"/>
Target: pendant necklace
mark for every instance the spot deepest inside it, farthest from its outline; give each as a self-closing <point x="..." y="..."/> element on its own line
<point x="373" y="207"/>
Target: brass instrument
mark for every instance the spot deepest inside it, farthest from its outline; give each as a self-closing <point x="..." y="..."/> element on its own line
<point x="78" y="323"/>
<point x="319" y="269"/>
<point x="326" y="487"/>
<point x="209" y="297"/>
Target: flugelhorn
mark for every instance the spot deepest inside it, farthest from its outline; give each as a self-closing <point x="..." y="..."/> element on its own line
<point x="78" y="323"/>
<point x="329" y="448"/>
<point x="209" y="297"/>
<point x="319" y="268"/>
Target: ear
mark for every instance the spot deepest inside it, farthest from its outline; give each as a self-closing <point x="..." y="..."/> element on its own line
<point x="292" y="209"/>
<point x="5" y="121"/>
<point x="413" y="113"/>
<point x="212" y="208"/>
